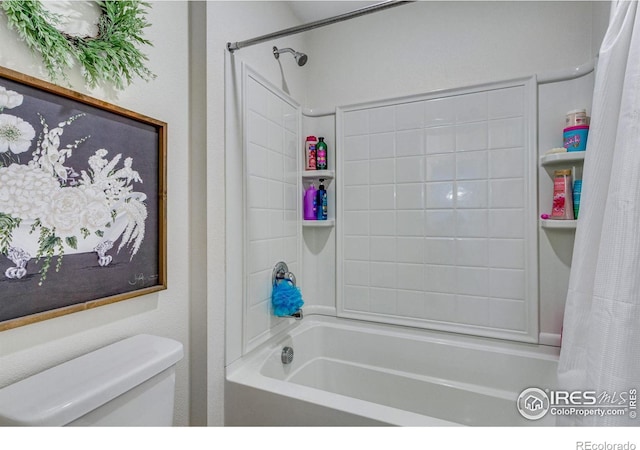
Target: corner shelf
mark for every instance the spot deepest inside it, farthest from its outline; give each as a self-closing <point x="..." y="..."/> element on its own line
<point x="317" y="174"/>
<point x="558" y="224"/>
<point x="552" y="161"/>
<point x="561" y="158"/>
<point x="319" y="223"/>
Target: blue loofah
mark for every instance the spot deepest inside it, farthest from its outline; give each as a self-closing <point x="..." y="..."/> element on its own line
<point x="286" y="299"/>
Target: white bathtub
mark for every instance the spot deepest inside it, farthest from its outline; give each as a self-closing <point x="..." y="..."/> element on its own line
<point x="348" y="372"/>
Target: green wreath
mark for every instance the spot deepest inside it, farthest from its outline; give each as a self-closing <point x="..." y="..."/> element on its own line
<point x="111" y="56"/>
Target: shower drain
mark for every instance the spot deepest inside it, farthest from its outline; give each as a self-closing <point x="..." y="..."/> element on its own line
<point x="287" y="355"/>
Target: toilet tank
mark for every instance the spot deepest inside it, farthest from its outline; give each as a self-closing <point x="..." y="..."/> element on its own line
<point x="128" y="383"/>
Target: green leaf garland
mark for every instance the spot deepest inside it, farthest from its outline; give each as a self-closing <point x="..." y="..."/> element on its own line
<point x="7" y="225"/>
<point x="112" y="56"/>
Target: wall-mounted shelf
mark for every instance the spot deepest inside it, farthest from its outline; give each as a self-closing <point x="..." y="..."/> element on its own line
<point x="552" y="161"/>
<point x="561" y="158"/>
<point x="559" y="224"/>
<point x="319" y="223"/>
<point x="317" y="174"/>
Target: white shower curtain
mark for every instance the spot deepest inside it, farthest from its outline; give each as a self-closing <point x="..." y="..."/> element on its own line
<point x="601" y="334"/>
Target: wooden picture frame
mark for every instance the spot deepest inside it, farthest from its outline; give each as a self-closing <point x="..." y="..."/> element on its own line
<point x="82" y="202"/>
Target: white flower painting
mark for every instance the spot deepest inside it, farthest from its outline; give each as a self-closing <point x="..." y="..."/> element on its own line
<point x="9" y="99"/>
<point x="16" y="135"/>
<point x="47" y="209"/>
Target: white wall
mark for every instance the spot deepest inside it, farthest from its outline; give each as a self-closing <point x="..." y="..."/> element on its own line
<point x="32" y="348"/>
<point x="202" y="339"/>
<point x="429" y="45"/>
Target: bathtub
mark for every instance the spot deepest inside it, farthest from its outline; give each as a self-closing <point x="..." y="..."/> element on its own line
<point x="352" y="373"/>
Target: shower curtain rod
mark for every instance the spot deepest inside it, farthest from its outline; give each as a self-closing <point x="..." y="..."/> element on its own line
<point x="318" y="23"/>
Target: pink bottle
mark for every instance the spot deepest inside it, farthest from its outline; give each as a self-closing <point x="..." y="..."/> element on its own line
<point x="310" y="154"/>
<point x="562" y="196"/>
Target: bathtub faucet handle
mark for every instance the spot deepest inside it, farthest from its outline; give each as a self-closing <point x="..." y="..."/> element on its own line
<point x="281" y="272"/>
<point x="290" y="277"/>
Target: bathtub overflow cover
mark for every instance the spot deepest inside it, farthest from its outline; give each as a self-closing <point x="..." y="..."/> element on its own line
<point x="287" y="355"/>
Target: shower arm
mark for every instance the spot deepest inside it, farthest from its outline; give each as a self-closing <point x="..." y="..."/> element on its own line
<point x="277" y="51"/>
<point x="233" y="46"/>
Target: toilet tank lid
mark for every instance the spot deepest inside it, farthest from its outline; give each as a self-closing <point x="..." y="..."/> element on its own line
<point x="72" y="389"/>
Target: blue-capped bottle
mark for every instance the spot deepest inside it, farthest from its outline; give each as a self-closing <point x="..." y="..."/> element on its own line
<point x="321" y="201"/>
<point x="577" y="192"/>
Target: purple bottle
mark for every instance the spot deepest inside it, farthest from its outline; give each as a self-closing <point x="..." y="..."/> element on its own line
<point x="309" y="203"/>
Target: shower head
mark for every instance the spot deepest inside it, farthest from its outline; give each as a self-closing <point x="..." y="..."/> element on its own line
<point x="301" y="58"/>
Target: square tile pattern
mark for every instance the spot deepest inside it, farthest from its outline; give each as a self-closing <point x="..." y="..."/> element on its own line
<point x="434" y="193"/>
<point x="271" y="205"/>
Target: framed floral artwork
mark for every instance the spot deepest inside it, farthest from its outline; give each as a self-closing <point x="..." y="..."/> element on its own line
<point x="82" y="201"/>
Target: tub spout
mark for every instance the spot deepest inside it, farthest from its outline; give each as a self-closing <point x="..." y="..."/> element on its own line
<point x="297" y="315"/>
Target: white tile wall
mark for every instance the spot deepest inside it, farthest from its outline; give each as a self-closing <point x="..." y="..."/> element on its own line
<point x="433" y="211"/>
<point x="271" y="189"/>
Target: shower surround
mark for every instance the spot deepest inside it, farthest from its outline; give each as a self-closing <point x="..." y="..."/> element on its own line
<point x="436" y="229"/>
<point x="435" y="211"/>
<point x="435" y="218"/>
